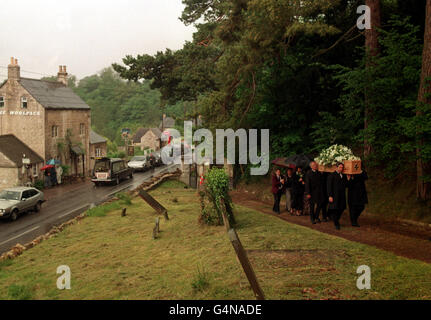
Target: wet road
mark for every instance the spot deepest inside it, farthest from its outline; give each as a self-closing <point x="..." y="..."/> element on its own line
<point x="64" y="203"/>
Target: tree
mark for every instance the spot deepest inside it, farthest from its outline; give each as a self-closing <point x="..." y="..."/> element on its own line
<point x="424" y="99"/>
<point x="372" y="50"/>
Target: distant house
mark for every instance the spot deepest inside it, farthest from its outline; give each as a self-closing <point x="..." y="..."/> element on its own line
<point x="98" y="147"/>
<point x="147" y="138"/>
<point x="12" y="170"/>
<point x="167" y="123"/>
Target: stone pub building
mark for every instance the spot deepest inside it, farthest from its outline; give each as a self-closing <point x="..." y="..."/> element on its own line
<point x="48" y="117"/>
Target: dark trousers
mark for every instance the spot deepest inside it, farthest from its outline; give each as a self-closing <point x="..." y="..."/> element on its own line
<point x="336" y="215"/>
<point x="315" y="209"/>
<point x="298" y="200"/>
<point x="277" y="198"/>
<point x="325" y="214"/>
<point x="355" y="211"/>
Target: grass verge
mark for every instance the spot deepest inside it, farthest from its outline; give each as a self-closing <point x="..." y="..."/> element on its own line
<point x="114" y="257"/>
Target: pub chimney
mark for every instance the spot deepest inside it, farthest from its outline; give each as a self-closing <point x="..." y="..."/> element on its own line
<point x="13" y="70"/>
<point x="62" y="75"/>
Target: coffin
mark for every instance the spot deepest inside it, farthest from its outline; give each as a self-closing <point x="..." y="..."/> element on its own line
<point x="352" y="167"/>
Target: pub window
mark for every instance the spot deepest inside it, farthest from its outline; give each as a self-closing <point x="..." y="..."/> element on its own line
<point x="1" y="102"/>
<point x="54" y="131"/>
<point x="81" y="129"/>
<point x="24" y="102"/>
<point x="98" y="152"/>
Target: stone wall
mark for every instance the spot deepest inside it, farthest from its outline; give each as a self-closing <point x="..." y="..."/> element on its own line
<point x="9" y="177"/>
<point x="26" y="124"/>
<point x="150" y="140"/>
<point x="68" y="121"/>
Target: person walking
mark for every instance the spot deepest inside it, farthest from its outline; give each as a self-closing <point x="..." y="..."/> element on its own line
<point x="277" y="190"/>
<point x="325" y="212"/>
<point x="336" y="185"/>
<point x="59" y="171"/>
<point x="298" y="192"/>
<point x="357" y="196"/>
<point x="288" y="185"/>
<point x="314" y="192"/>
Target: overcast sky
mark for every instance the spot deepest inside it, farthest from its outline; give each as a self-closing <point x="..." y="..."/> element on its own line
<point x="85" y="35"/>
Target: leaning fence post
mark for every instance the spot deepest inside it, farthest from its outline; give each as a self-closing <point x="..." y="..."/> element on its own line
<point x="246" y="265"/>
<point x="153" y="203"/>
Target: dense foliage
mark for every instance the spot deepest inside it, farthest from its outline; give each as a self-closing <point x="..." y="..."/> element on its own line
<point x="299" y="68"/>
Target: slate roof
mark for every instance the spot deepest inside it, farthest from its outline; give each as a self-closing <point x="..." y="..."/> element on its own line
<point x="13" y="148"/>
<point x="96" y="138"/>
<point x="168" y="122"/>
<point x="53" y="95"/>
<point x="139" y="134"/>
<point x="143" y="131"/>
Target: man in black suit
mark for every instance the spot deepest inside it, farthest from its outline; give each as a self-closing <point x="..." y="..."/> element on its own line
<point x="314" y="192"/>
<point x="336" y="187"/>
<point x="356" y="196"/>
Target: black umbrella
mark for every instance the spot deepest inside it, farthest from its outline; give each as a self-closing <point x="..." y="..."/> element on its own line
<point x="299" y="160"/>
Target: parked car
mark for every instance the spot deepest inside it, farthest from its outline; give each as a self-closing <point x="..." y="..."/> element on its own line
<point x="107" y="170"/>
<point x="16" y="201"/>
<point x="139" y="163"/>
<point x="157" y="158"/>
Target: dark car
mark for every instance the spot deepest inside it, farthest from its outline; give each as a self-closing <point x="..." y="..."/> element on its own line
<point x="107" y="170"/>
<point x="155" y="159"/>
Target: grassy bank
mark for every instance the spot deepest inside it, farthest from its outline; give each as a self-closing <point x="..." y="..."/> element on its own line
<point x="116" y="258"/>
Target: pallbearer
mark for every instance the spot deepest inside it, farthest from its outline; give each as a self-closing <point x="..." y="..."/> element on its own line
<point x="314" y="192"/>
<point x="337" y="183"/>
<point x="357" y="196"/>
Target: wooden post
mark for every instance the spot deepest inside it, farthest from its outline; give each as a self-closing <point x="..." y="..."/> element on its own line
<point x="224" y="215"/>
<point x="156" y="228"/>
<point x="123" y="212"/>
<point x="158" y="224"/>
<point x="246" y="265"/>
<point x="153" y="203"/>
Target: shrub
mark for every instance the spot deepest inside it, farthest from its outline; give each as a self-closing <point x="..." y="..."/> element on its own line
<point x="215" y="199"/>
<point x="39" y="184"/>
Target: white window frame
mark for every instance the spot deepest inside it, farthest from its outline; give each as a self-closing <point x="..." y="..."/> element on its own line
<point x="24" y="100"/>
<point x="98" y="152"/>
<point x="54" y="131"/>
<point x="81" y="129"/>
<point x="2" y="102"/>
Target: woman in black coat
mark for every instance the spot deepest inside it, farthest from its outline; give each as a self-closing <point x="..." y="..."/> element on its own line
<point x="298" y="188"/>
<point x="357" y="196"/>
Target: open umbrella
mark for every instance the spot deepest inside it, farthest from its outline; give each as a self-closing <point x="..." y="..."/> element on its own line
<point x="53" y="162"/>
<point x="281" y="162"/>
<point x="48" y="166"/>
<point x="299" y="160"/>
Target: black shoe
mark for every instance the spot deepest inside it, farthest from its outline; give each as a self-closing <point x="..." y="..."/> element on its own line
<point x="355" y="224"/>
<point x="337" y="227"/>
<point x="313" y="222"/>
<point x="318" y="220"/>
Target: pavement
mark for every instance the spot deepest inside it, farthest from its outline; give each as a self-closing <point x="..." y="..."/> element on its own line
<point x="64" y="203"/>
